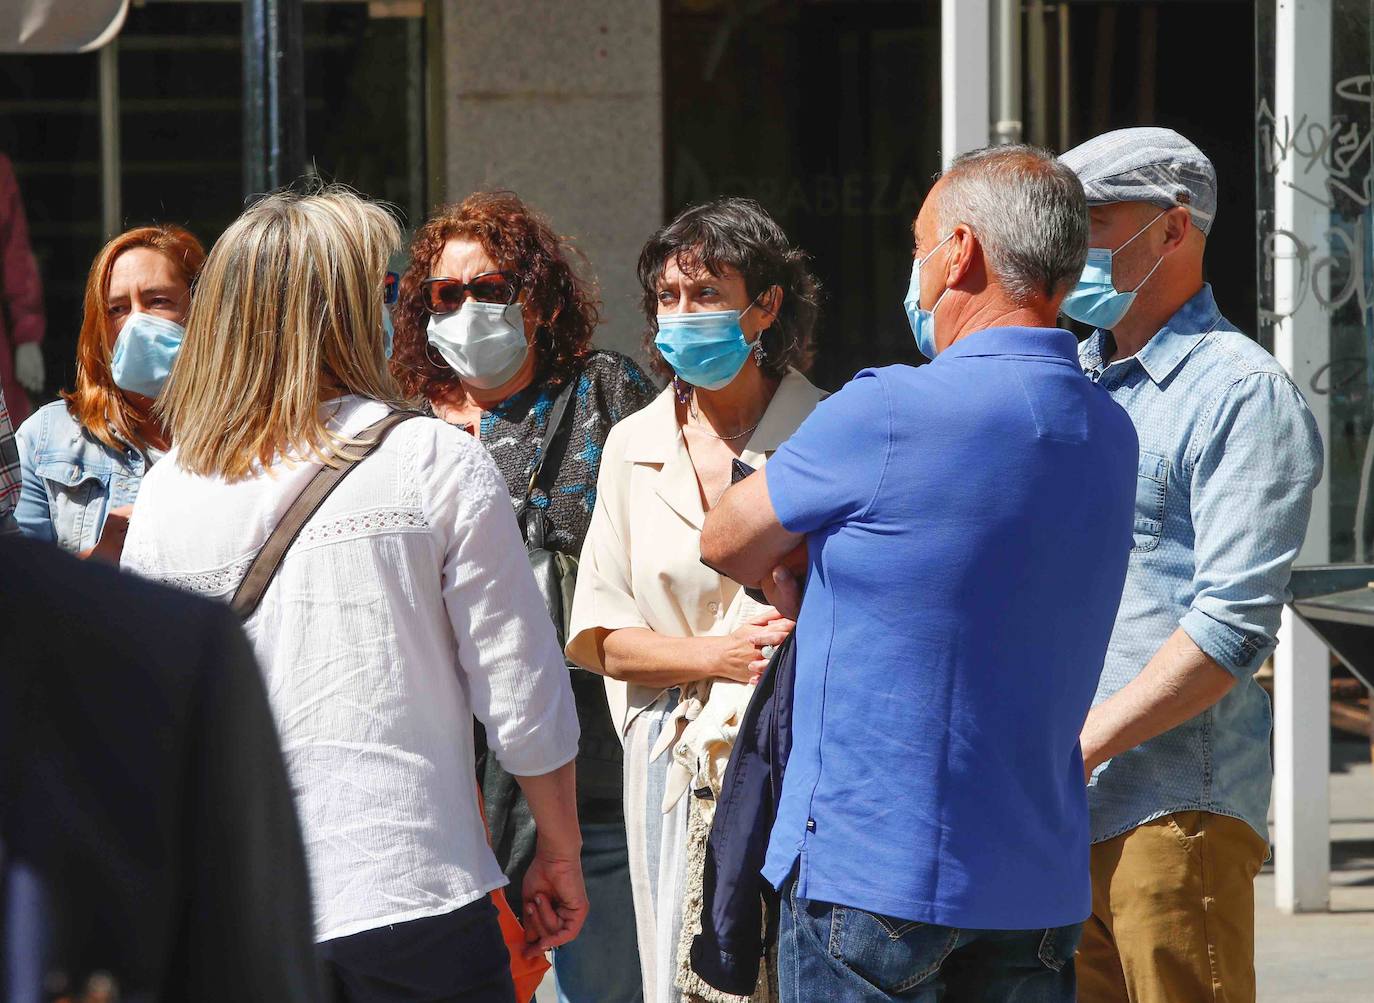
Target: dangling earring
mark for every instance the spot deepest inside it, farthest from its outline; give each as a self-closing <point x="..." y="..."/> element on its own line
<point x="760" y="355"/>
<point x="682" y="389"/>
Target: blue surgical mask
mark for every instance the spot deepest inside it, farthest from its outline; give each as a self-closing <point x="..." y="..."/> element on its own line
<point x="144" y="352"/>
<point x="706" y="349"/>
<point x="388" y="330"/>
<point x="922" y="321"/>
<point x="1095" y="300"/>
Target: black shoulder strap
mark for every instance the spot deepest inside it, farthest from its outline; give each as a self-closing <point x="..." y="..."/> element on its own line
<point x="556" y="413"/>
<point x="265" y="565"/>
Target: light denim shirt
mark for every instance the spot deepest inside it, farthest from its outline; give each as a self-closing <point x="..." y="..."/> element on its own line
<point x="70" y="479"/>
<point x="1229" y="455"/>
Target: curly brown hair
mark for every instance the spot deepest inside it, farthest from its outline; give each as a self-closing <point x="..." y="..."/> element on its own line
<point x="737" y="233"/>
<point x="518" y="238"/>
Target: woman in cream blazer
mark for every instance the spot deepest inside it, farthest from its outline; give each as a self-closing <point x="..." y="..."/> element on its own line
<point x="731" y="307"/>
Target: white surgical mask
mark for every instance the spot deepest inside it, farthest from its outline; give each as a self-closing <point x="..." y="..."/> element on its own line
<point x="484" y="343"/>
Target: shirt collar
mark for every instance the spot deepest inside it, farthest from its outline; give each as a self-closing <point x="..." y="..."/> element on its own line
<point x="655" y="438"/>
<point x="1047" y="342"/>
<point x="1166" y="351"/>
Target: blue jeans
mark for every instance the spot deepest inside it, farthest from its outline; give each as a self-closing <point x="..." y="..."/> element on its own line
<point x="829" y="953"/>
<point x="602" y="964"/>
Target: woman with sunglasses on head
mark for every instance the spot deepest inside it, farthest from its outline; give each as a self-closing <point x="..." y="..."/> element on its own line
<point x="731" y="307"/>
<point x="84" y="457"/>
<point x="401" y="606"/>
<point x="493" y="327"/>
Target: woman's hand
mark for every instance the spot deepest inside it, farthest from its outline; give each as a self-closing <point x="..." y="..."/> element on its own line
<point x="110" y="546"/>
<point x="555" y="900"/>
<point x="739" y="654"/>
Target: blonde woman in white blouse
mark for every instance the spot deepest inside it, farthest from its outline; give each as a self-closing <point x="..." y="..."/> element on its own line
<point x="405" y="606"/>
<point x="731" y="306"/>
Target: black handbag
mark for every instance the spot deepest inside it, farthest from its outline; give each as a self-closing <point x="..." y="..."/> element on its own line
<point x="554" y="573"/>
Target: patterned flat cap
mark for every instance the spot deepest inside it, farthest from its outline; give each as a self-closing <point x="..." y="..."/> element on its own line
<point x="1147" y="165"/>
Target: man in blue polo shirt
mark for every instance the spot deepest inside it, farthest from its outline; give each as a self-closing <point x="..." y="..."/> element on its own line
<point x="968" y="525"/>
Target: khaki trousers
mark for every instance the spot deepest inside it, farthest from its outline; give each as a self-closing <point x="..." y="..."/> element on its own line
<point x="1173" y="913"/>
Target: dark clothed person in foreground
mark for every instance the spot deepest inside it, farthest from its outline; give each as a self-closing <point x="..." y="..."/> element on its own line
<point x="149" y="836"/>
<point x="968" y="525"/>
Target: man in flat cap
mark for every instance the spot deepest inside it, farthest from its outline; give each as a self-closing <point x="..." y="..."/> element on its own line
<point x="1177" y="743"/>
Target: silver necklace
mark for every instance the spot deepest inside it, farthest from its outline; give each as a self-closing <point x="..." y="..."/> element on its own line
<point x="692" y="412"/>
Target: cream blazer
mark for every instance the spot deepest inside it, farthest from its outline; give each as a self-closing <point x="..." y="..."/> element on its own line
<point x="641" y="562"/>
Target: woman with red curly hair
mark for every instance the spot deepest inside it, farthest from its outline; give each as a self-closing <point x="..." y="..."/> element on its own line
<point x="492" y="327"/>
<point x="83" y="458"/>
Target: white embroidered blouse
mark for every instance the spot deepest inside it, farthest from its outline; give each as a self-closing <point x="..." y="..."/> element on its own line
<point x="405" y="606"/>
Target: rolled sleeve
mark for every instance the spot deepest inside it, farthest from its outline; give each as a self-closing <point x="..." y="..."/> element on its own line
<point x="1252" y="483"/>
<point x="507" y="647"/>
<point x="832" y="466"/>
<point x="605" y="596"/>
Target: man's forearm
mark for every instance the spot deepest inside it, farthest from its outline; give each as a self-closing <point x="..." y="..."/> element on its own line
<point x="1177" y="684"/>
<point x="742" y="537"/>
<point x="553" y="802"/>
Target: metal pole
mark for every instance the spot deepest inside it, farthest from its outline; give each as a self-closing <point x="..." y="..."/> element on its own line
<point x="1007" y="127"/>
<point x="1302" y="344"/>
<point x="1037" y="50"/>
<point x="1065" y="88"/>
<point x="964" y="92"/>
<point x="111" y="209"/>
<point x="273" y="94"/>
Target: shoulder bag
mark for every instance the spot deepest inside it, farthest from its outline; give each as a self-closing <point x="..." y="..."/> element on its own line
<point x="554" y="573"/>
<point x="248" y="596"/>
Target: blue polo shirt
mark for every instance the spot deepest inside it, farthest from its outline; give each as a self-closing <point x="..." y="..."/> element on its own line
<point x="969" y="525"/>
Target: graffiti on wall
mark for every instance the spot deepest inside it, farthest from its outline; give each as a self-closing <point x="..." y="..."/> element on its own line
<point x="1329" y="167"/>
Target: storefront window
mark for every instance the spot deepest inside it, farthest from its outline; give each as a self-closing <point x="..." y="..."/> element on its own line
<point x="829" y="115"/>
<point x="180" y="131"/>
<point x="1314" y="128"/>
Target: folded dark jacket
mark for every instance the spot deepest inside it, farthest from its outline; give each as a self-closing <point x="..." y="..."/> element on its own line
<point x="738" y="901"/>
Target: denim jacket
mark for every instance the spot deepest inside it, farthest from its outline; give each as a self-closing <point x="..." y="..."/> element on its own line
<point x="71" y="479"/>
<point x="1229" y="455"/>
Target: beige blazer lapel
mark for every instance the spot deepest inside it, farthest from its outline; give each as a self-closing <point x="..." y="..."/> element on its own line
<point x="795" y="398"/>
<point x="658" y="443"/>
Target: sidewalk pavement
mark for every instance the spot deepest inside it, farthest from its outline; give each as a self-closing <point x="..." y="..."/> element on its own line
<point x="1327" y="957"/>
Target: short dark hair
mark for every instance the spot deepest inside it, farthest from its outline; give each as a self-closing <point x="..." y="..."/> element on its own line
<point x="736" y="233"/>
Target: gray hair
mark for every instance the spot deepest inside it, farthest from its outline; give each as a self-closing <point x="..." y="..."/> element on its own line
<point x="1027" y="210"/>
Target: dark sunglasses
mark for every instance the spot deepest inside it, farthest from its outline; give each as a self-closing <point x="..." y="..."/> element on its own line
<point x="443" y="295"/>
<point x="391" y="288"/>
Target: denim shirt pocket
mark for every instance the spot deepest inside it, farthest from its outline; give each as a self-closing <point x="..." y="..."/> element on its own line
<point x="77" y="495"/>
<point x="1152" y="476"/>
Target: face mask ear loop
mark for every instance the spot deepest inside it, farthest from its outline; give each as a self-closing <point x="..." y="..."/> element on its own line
<point x="1132" y="237"/>
<point x="923" y="264"/>
<point x="757" y="345"/>
<point x="1147" y="276"/>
